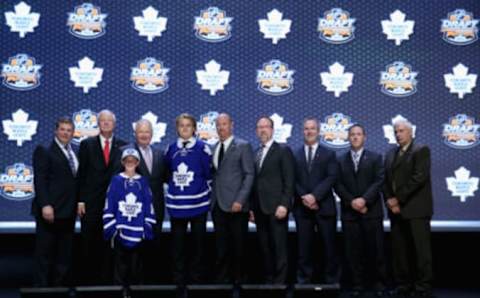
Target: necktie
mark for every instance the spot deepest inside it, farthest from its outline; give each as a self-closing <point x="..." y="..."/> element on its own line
<point x="309" y="157"/>
<point x="106" y="152"/>
<point x="71" y="161"/>
<point x="148" y="158"/>
<point x="258" y="157"/>
<point x="185" y="143"/>
<point x="356" y="160"/>
<point x="220" y="155"/>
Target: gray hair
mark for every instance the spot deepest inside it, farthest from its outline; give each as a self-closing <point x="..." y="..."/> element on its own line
<point x="107" y="112"/>
<point x="403" y="122"/>
<point x="145" y="122"/>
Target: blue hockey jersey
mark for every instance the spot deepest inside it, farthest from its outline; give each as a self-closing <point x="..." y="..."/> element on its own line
<point x="189" y="165"/>
<point x="128" y="215"/>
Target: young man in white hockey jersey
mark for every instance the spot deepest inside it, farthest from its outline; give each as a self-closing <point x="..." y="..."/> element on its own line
<point x="128" y="219"/>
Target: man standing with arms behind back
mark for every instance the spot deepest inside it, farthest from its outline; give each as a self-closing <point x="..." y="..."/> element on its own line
<point x="99" y="161"/>
<point x="232" y="183"/>
<point x="408" y="193"/>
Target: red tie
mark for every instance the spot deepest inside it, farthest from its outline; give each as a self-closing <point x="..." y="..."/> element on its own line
<point x="106" y="152"/>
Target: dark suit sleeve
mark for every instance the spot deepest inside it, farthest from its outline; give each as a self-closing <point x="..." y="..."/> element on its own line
<point x="322" y="189"/>
<point x="341" y="190"/>
<point x="248" y="168"/>
<point x="288" y="168"/>
<point x="40" y="174"/>
<point x="387" y="186"/>
<point x="83" y="160"/>
<point x="420" y="174"/>
<point x="372" y="192"/>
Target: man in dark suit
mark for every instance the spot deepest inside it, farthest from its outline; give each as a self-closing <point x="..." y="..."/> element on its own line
<point x="408" y="193"/>
<point x="99" y="160"/>
<point x="151" y="167"/>
<point x="272" y="194"/>
<point x="232" y="182"/>
<point x="315" y="175"/>
<point x="359" y="187"/>
<point x="55" y="168"/>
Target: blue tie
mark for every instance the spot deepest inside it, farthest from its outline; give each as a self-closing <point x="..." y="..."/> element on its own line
<point x="71" y="161"/>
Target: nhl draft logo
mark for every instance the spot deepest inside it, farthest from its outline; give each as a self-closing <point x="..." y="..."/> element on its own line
<point x="213" y="25"/>
<point x="398" y="80"/>
<point x="461" y="132"/>
<point x="149" y="76"/>
<point x="460" y="81"/>
<point x="86" y="125"/>
<point x="182" y="176"/>
<point x="274" y="28"/>
<point x="334" y="131"/>
<point x="16" y="183"/>
<point x="21" y="73"/>
<point x="460" y="28"/>
<point x="87" y="21"/>
<point x="207" y="128"/>
<point x="397" y="28"/>
<point x="281" y="131"/>
<point x="22" y="20"/>
<point x="129" y="207"/>
<point x="20" y="129"/>
<point x="336" y="26"/>
<point x="150" y="24"/>
<point x="389" y="131"/>
<point x="159" y="128"/>
<point x="462" y="185"/>
<point x="275" y="78"/>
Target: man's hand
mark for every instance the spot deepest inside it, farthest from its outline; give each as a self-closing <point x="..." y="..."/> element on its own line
<point x="281" y="212"/>
<point x="396" y="209"/>
<point x="392" y="202"/>
<point x="359" y="204"/>
<point x="48" y="214"/>
<point x="310" y="202"/>
<point x="236" y="207"/>
<point x="81" y="209"/>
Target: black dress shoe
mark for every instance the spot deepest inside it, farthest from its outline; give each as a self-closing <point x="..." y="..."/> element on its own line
<point x="355" y="293"/>
<point x="379" y="293"/>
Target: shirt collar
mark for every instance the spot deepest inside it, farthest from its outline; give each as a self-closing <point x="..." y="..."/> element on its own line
<point x="191" y="142"/>
<point x="314" y="146"/>
<point x="60" y="144"/>
<point x="359" y="152"/>
<point x="227" y="142"/>
<point x="405" y="148"/>
<point x="268" y="144"/>
<point x="102" y="139"/>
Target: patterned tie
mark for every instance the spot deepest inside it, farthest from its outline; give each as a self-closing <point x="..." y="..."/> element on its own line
<point x="148" y="158"/>
<point x="356" y="160"/>
<point x="71" y="161"/>
<point x="106" y="152"/>
<point x="220" y="155"/>
<point x="309" y="158"/>
<point x="258" y="157"/>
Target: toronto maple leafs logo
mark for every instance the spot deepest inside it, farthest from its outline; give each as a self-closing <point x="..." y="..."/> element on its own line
<point x="159" y="128"/>
<point x="336" y="26"/>
<point x="86" y="125"/>
<point x="460" y="28"/>
<point x="129" y="207"/>
<point x="461" y="132"/>
<point x="397" y="28"/>
<point x="274" y="27"/>
<point x="182" y="177"/>
<point x="22" y="20"/>
<point x="337" y="80"/>
<point x="334" y="131"/>
<point x="275" y="78"/>
<point x="207" y="128"/>
<point x="149" y="76"/>
<point x="282" y="131"/>
<point x="462" y="185"/>
<point x="212" y="78"/>
<point x="21" y="73"/>
<point x="16" y="183"/>
<point x="19" y="129"/>
<point x="87" y="21"/>
<point x="213" y="25"/>
<point x="460" y="81"/>
<point x="389" y="131"/>
<point x="86" y="76"/>
<point x="150" y="24"/>
<point x="398" y="80"/>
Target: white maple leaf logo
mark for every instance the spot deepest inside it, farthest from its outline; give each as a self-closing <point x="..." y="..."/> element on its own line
<point x="389" y="131"/>
<point x="275" y="28"/>
<point x="460" y="81"/>
<point x="397" y="28"/>
<point x="22" y="20"/>
<point x="462" y="185"/>
<point x="337" y="80"/>
<point x="86" y="76"/>
<point x="150" y="25"/>
<point x="130" y="208"/>
<point x="159" y="128"/>
<point x="212" y="78"/>
<point x="20" y="129"/>
<point x="182" y="176"/>
<point x="281" y="131"/>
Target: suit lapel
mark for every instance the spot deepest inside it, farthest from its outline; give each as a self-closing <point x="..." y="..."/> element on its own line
<point x="58" y="151"/>
<point x="227" y="153"/>
<point x="268" y="155"/>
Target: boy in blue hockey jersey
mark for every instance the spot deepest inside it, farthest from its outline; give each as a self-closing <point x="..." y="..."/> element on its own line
<point x="128" y="219"/>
